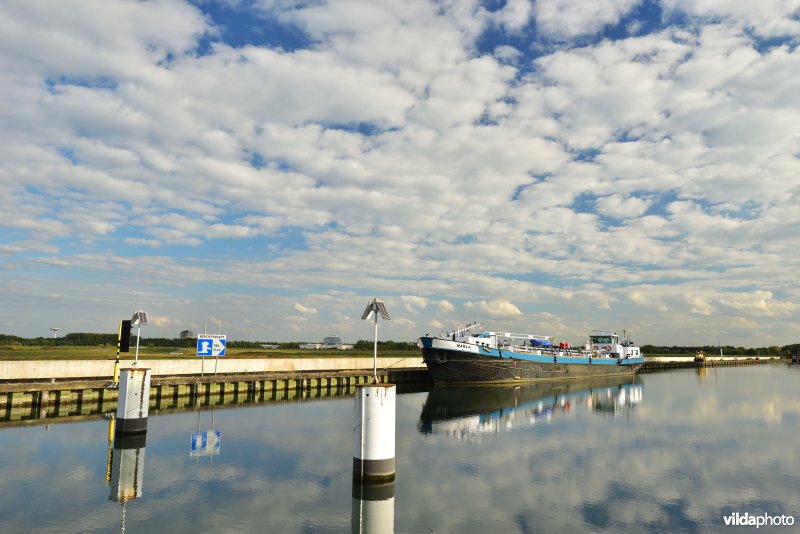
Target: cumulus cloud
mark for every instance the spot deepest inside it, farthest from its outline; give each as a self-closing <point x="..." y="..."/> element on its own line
<point x="411" y="303"/>
<point x="514" y="15"/>
<point x="441" y="156"/>
<point x="497" y="308"/>
<point x="699" y="305"/>
<point x="305" y="310"/>
<point x="445" y="306"/>
<point x="564" y="19"/>
<point x="619" y="207"/>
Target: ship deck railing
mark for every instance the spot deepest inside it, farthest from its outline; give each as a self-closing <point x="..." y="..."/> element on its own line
<point x="568" y="352"/>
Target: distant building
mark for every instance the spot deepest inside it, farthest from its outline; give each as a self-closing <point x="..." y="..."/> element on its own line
<point x="188" y="334"/>
<point x="330" y="342"/>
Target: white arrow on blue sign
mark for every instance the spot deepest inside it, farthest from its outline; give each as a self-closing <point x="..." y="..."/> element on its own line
<point x="211" y="345"/>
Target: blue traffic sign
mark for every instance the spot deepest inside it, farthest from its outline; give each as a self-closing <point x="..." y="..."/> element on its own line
<point x="211" y="345"/>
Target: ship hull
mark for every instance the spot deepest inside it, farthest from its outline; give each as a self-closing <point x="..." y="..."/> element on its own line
<point x="470" y="366"/>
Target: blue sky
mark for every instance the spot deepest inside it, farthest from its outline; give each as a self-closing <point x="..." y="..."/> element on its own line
<point x="551" y="167"/>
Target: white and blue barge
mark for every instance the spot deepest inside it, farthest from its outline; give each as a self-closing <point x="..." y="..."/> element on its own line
<point x="470" y="355"/>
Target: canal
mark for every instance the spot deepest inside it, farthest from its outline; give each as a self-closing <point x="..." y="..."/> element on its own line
<point x="676" y="451"/>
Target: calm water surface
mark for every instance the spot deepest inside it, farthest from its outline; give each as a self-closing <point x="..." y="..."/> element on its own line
<point x="668" y="452"/>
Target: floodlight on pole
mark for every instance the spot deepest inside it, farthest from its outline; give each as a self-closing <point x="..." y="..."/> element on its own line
<point x="139" y="318"/>
<point x="375" y="307"/>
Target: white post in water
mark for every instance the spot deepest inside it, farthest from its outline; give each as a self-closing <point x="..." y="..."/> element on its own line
<point x="375" y="307"/>
<point x="133" y="401"/>
<point x="373" y="433"/>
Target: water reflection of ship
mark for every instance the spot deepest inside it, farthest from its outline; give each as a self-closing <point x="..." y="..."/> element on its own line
<point x="615" y="400"/>
<point x="702" y="373"/>
<point x="465" y="412"/>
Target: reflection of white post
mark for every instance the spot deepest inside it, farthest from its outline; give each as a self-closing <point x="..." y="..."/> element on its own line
<point x="127" y="468"/>
<point x="374" y="433"/>
<point x="373" y="509"/>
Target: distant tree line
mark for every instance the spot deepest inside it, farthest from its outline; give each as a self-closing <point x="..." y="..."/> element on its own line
<point x="91" y="339"/>
<point x="364" y="344"/>
<point x="84" y="339"/>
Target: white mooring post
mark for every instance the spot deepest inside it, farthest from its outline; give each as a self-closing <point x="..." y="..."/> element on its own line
<point x="374" y="433"/>
<point x="133" y="401"/>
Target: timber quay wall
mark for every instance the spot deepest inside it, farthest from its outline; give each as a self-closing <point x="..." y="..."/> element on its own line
<point x="37" y="403"/>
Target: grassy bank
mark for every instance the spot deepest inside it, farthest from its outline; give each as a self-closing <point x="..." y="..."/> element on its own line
<point x="10" y="352"/>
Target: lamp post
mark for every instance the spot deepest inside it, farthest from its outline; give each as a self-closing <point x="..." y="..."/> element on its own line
<point x="375" y="307"/>
<point x="139" y="318"/>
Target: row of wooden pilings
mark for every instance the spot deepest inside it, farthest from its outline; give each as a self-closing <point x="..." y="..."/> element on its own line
<point x="649" y="367"/>
<point x="70" y="401"/>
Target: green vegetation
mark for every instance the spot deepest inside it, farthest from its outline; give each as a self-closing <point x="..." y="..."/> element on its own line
<point x="94" y="346"/>
<point x="89" y="339"/>
<point x="385" y="345"/>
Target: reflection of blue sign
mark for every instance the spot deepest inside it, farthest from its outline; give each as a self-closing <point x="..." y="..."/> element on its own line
<point x="211" y="345"/>
<point x="205" y="443"/>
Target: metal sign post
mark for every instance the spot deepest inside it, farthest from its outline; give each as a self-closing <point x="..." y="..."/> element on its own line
<point x="139" y="318"/>
<point x="375" y="307"/>
<point x="211" y="345"/>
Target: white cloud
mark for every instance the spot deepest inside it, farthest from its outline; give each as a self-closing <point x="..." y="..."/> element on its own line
<point x="758" y="302"/>
<point x="404" y="321"/>
<point x="445" y="306"/>
<point x="564" y="18"/>
<point x="515" y="15"/>
<point x="620" y="207"/>
<point x="411" y="303"/>
<point x="305" y="310"/>
<point x="392" y="155"/>
<point x="497" y="308"/>
<point x="699" y="305"/>
<point x="770" y="18"/>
